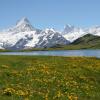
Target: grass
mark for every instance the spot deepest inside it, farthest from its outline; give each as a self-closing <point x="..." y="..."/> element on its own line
<point x="49" y="78"/>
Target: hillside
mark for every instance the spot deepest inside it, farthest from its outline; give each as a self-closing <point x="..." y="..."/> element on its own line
<point x="88" y="41"/>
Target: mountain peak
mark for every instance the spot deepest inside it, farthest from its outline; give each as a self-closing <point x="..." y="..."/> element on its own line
<point x="23" y="25"/>
<point x="68" y="28"/>
<point x="68" y="25"/>
<point x="23" y="21"/>
<point x="47" y="30"/>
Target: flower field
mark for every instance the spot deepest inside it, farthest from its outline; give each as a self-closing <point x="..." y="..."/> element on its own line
<point x="49" y="78"/>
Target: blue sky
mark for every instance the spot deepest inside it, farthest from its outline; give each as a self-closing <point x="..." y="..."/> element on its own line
<point x="50" y="13"/>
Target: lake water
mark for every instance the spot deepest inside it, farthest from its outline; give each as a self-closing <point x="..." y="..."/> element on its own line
<point x="88" y="53"/>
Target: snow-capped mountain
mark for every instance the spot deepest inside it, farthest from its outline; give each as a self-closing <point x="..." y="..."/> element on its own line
<point x="72" y="33"/>
<point x="94" y="30"/>
<point x="22" y="25"/>
<point x="50" y="37"/>
<point x="68" y="29"/>
<point x="23" y="35"/>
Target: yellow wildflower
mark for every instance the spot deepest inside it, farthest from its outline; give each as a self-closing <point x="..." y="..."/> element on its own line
<point x="22" y="93"/>
<point x="8" y="91"/>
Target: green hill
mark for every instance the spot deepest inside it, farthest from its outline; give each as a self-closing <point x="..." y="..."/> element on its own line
<point x="88" y="41"/>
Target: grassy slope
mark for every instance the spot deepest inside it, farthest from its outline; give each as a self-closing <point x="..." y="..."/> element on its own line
<point x="49" y="78"/>
<point x="88" y="41"/>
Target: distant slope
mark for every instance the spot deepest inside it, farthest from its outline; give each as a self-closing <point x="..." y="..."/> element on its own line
<point x="88" y="41"/>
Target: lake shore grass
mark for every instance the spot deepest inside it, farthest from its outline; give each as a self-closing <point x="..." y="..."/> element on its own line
<point x="49" y="78"/>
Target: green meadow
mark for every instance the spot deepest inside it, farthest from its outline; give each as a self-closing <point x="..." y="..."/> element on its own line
<point x="49" y="78"/>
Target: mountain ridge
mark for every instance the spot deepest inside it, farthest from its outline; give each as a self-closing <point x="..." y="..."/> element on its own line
<point x="24" y="36"/>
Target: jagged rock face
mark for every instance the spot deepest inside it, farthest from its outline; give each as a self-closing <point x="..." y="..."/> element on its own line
<point x="50" y="38"/>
